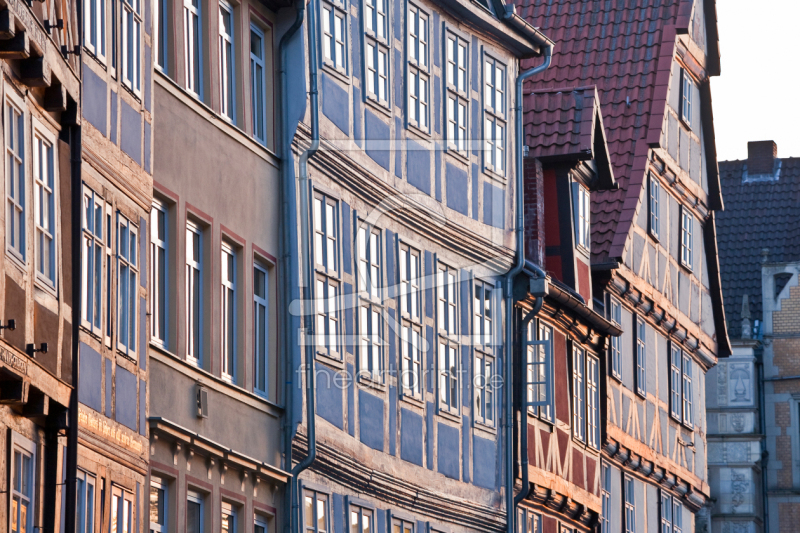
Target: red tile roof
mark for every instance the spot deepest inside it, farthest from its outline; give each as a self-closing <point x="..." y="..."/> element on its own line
<point x="625" y="48"/>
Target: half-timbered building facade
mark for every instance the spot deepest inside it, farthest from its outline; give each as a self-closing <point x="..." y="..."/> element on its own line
<point x="653" y="250"/>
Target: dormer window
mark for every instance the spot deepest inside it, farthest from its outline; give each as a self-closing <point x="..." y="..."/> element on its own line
<point x="687" y="91"/>
<point x="655" y="202"/>
<point x="581" y="205"/>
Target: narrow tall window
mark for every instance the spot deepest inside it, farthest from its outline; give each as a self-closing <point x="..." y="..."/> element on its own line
<point x="484" y="388"/>
<point x="369" y="262"/>
<point x="655" y="204"/>
<point x="92" y="261"/>
<point x="687" y="88"/>
<point x="641" y="357"/>
<point x="630" y="506"/>
<point x="122" y="512"/>
<point x="316" y="512"/>
<point x="228" y="316"/>
<point x="194" y="294"/>
<point x="418" y="69"/>
<point x="402" y="526"/>
<point x="578" y="393"/>
<point x="258" y="92"/>
<point x="410" y="293"/>
<point x="44" y="174"/>
<point x="605" y="479"/>
<point x="457" y="92"/>
<point x="261" y="327"/>
<point x="85" y="503"/>
<point x="127" y="285"/>
<point x="94" y="28"/>
<point x="159" y="273"/>
<point x="376" y="29"/>
<point x="448" y="376"/>
<point x="131" y="45"/>
<point x="228" y="518"/>
<point x="482" y="315"/>
<point x="194" y="512"/>
<point x="361" y="519"/>
<point x="109" y="276"/>
<point x="582" y="206"/>
<point x="671" y="514"/>
<point x="370" y="276"/>
<point x="326" y="261"/>
<point x="537" y="373"/>
<point x="113" y="55"/>
<point x="260" y="525"/>
<point x="334" y="36"/>
<point x="615" y="315"/>
<point x="227" y="62"/>
<point x="192" y="45"/>
<point x="593" y="402"/>
<point x="15" y="186"/>
<point x="446" y="311"/>
<point x="675" y="383"/>
<point x="412" y="342"/>
<point x="160" y="30"/>
<point x="158" y="506"/>
<point x="23" y="485"/>
<point x="411" y="345"/>
<point x="687" y="390"/>
<point x="494" y="108"/>
<point x="687" y="223"/>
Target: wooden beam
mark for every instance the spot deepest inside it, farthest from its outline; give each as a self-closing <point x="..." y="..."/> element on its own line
<point x="38" y="405"/>
<point x="35" y="72"/>
<point x="7" y="29"/>
<point x="14" y="392"/>
<point x="55" y="98"/>
<point x="18" y="47"/>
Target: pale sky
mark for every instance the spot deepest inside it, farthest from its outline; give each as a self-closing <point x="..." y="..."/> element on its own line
<point x="757" y="96"/>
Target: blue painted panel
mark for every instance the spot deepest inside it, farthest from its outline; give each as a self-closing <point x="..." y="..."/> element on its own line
<point x="142" y="407"/>
<point x="334" y="104"/>
<point x="476" y="66"/>
<point x="393" y="420"/>
<point x="391" y="339"/>
<point x="358" y="117"/>
<point x="431" y="356"/>
<point x="437" y="88"/>
<point x="143" y="240"/>
<point x="147" y="73"/>
<point x="351" y="402"/>
<point x="419" y="166"/>
<point x="398" y="146"/>
<point x="466" y="276"/>
<point x="466" y="392"/>
<point x="484" y="464"/>
<point x="475" y="182"/>
<point x="370" y="417"/>
<point x="378" y="139"/>
<point x="476" y="144"/>
<point x="429" y="434"/>
<point x="447" y="450"/>
<point x="142" y="333"/>
<point x="95" y="99"/>
<point x="390" y="260"/>
<point x="329" y="396"/>
<point x="89" y="386"/>
<point x="348" y="317"/>
<point x="347" y="238"/>
<point x="436" y="43"/>
<point x="411" y="437"/>
<point x="125" y="391"/>
<point x="381" y="522"/>
<point x="399" y="78"/>
<point x="113" y="132"/>
<point x="429" y="277"/>
<point x="338" y="513"/>
<point x="437" y="186"/>
<point x="131" y="132"/>
<point x="355" y="46"/>
<point x="457" y="189"/>
<point x="465" y="432"/>
<point x="398" y="22"/>
<point x="109" y="386"/>
<point x="147" y="150"/>
<point x="494" y="206"/>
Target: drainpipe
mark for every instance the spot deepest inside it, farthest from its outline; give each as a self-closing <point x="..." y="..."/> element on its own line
<point x="520" y="263"/>
<point x="763" y="430"/>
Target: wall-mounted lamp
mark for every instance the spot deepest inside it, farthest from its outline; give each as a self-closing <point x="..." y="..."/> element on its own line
<point x="58" y="25"/>
<point x="66" y="51"/>
<point x="11" y="325"/>
<point x="31" y="349"/>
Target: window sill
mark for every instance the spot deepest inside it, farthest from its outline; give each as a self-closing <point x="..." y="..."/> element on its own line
<point x="329" y="360"/>
<point x="494" y="175"/>
<point x="367" y="380"/>
<point x="340" y="75"/>
<point x="95" y="57"/>
<point x="686" y="267"/>
<point x="17" y="260"/>
<point x="412" y="400"/>
<point x="653" y="235"/>
<point x="462" y="157"/>
<point x="449" y="415"/>
<point x="379" y="107"/>
<point x="45" y="285"/>
<point x="485" y="428"/>
<point x="544" y="425"/>
<point x="418" y="133"/>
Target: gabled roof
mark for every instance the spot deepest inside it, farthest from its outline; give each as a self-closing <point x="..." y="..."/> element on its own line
<point x="760" y="213"/>
<point x="625" y="48"/>
<point x="566" y="124"/>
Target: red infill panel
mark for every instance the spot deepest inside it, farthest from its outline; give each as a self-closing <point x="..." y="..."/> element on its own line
<point x="584" y="280"/>
<point x="561" y="376"/>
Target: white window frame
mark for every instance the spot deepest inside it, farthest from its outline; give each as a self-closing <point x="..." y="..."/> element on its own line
<point x="686" y="393"/>
<point x="370" y="290"/>
<point x="327" y="286"/>
<point x="370" y="326"/>
<point x="227" y="61"/>
<point x="449" y="385"/>
<point x="447" y="284"/>
<point x="457" y="93"/>
<point x="377" y="60"/>
<point x="24" y="448"/>
<point x="405" y="526"/>
<point x="605" y="496"/>
<point x="411" y="349"/>
<point x="161" y="28"/>
<point x="361" y="518"/>
<point x="483" y="313"/>
<point x="655" y="207"/>
<point x="579" y="393"/>
<point x="261" y="330"/>
<point x="132" y="45"/>
<point x="127" y="309"/>
<point x="640" y="345"/>
<point x="159" y="485"/>
<point x="592" y="401"/>
<point x="110" y="235"/>
<point x="159" y="274"/>
<point x="227" y="509"/>
<point x="671" y="512"/>
<point x="125" y="508"/>
<point x="193" y="47"/>
<point x="687" y="86"/>
<point x="410" y="269"/>
<point x="94" y="28"/>
<point x="260" y="522"/>
<point x="615" y="346"/>
<point x="485" y="394"/>
<point x="93" y="246"/>
<point x="370" y="263"/>
<point x="45" y="198"/>
<point x="495" y="128"/>
<point x="258" y="96"/>
<point x="418" y="84"/>
<point x="536" y="371"/>
<point x="582" y="205"/>
<point x="228" y="300"/>
<point x="85" y="508"/>
<point x="687" y="238"/>
<point x="675" y="382"/>
<point x="628" y="489"/>
<point x="334" y="29"/>
<point x="194" y="354"/>
<point x="17" y="204"/>
<point x="198" y="499"/>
